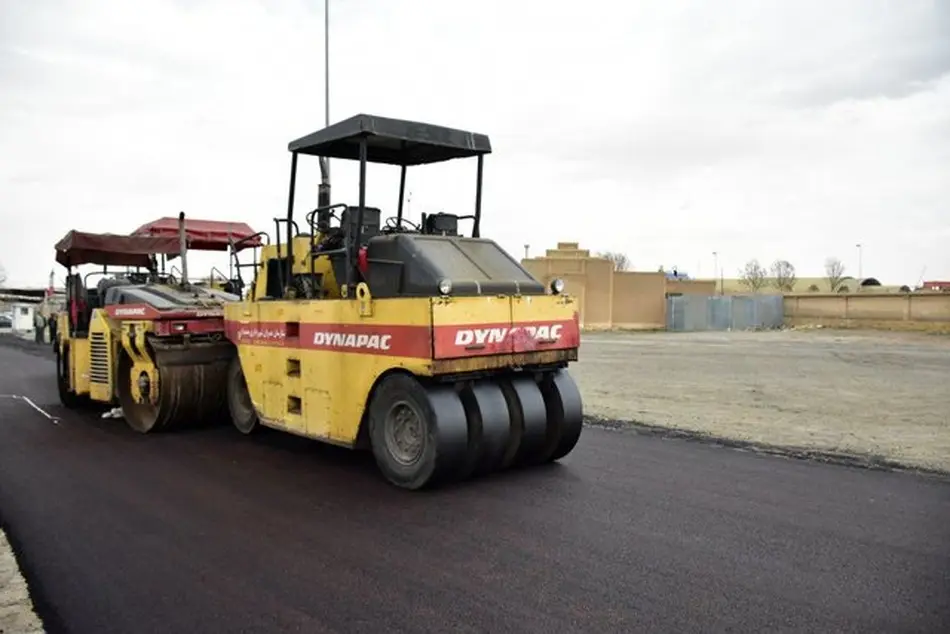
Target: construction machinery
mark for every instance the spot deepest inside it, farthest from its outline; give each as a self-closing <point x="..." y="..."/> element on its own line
<point x="142" y="339"/>
<point x="208" y="235"/>
<point x="437" y="351"/>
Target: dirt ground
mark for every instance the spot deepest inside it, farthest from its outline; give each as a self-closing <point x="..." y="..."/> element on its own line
<point x="16" y="609"/>
<point x="878" y="394"/>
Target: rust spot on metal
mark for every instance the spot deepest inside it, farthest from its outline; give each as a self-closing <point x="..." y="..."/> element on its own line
<point x="501" y="361"/>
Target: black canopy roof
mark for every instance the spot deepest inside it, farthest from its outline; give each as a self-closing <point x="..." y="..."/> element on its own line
<point x="392" y="141"/>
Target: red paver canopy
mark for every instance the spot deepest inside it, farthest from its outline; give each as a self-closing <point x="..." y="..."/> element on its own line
<point x="78" y="247"/>
<point x="202" y="235"/>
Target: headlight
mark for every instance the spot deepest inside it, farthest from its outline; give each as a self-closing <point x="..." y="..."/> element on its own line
<point x="557" y="286"/>
<point x="445" y="287"/>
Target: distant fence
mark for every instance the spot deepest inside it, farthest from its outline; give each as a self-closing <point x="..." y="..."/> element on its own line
<point x="913" y="311"/>
<point x="723" y="312"/>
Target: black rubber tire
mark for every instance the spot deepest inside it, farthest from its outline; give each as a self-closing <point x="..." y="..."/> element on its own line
<point x="489" y="426"/>
<point x="565" y="412"/>
<point x="68" y="398"/>
<point x="528" y="421"/>
<point x="243" y="415"/>
<point x="439" y="425"/>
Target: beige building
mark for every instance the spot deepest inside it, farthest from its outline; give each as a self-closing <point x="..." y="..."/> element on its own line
<point x="637" y="300"/>
<point x="609" y="298"/>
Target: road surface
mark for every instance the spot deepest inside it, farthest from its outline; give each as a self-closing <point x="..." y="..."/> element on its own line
<point x="209" y="531"/>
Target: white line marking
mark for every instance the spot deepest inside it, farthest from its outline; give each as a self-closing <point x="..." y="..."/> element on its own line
<point x="25" y="399"/>
<point x="41" y="410"/>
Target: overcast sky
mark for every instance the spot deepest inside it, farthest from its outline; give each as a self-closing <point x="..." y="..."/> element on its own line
<point x="666" y="130"/>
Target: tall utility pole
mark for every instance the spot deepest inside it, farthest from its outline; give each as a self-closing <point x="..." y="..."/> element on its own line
<point x="326" y="60"/>
<point x="326" y="66"/>
<point x="324" y="195"/>
<point x="860" y="263"/>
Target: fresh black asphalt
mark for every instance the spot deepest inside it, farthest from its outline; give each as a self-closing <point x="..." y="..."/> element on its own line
<point x="210" y="531"/>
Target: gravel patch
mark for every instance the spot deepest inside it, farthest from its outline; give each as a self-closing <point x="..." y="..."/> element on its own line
<point x="16" y="608"/>
<point x="881" y="397"/>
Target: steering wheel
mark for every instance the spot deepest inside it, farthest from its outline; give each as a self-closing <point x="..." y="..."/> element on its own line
<point x="391" y="223"/>
<point x="331" y="214"/>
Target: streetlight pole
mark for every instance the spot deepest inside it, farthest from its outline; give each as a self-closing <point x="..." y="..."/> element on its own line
<point x="324" y="195"/>
<point x="716" y="267"/>
<point x="326" y="61"/>
<point x="860" y="263"/>
<point x="326" y="70"/>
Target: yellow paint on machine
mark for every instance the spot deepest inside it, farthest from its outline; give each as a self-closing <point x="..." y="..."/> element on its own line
<point x="459" y="311"/>
<point x="101" y="351"/>
<point x="540" y="308"/>
<point x="92" y="358"/>
<point x="323" y="393"/>
<point x="320" y="393"/>
<point x="79" y="365"/>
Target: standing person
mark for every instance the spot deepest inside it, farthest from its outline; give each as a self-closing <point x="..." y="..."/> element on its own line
<point x="39" y="325"/>
<point x="53" y="327"/>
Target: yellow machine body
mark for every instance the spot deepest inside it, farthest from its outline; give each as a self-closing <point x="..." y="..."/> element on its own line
<point x="164" y="367"/>
<point x="301" y="378"/>
<point x="320" y="269"/>
<point x="437" y="351"/>
<point x="93" y="358"/>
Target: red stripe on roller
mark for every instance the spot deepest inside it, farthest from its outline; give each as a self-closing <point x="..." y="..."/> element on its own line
<point x="450" y="341"/>
<point x="259" y="333"/>
<point x="392" y="341"/>
<point x="132" y="311"/>
<point x="388" y="340"/>
<point x="147" y="312"/>
<point x="165" y="328"/>
<point x="475" y="340"/>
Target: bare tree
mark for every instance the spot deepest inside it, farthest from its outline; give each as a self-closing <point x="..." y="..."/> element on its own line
<point x="620" y="260"/>
<point x="753" y="275"/>
<point x="834" y="273"/>
<point x="783" y="275"/>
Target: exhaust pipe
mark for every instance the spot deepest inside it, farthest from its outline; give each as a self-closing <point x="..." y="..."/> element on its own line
<point x="183" y="247"/>
<point x="323" y="192"/>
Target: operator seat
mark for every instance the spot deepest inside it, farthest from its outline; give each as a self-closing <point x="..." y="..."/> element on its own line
<point x="78" y="305"/>
<point x="372" y="226"/>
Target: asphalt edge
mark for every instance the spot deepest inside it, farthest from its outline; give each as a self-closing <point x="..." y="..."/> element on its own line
<point x="24" y="610"/>
<point x="870" y="462"/>
<point x="40" y="604"/>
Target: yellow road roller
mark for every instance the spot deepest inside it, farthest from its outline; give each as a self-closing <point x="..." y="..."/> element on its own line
<point x="435" y="350"/>
<point x="150" y="343"/>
